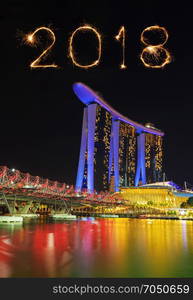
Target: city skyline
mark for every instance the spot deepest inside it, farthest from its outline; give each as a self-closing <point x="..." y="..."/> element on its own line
<point x="41" y="117"/>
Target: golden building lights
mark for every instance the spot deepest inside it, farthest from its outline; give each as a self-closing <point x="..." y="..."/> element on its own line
<point x="153" y="156"/>
<point x="131" y="156"/>
<point x="102" y="143"/>
<point x="148" y="151"/>
<point x="158" y="153"/>
<point x="106" y="141"/>
<point x="127" y="153"/>
<point x="96" y="136"/>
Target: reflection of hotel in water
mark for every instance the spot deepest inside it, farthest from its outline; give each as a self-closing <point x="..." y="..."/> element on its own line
<point x="105" y="247"/>
<point x="115" y="151"/>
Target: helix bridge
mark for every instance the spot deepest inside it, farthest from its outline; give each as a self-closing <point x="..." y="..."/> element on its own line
<point x="22" y="192"/>
<point x="13" y="181"/>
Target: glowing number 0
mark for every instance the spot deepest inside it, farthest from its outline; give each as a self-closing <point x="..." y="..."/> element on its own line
<point x="155" y="52"/>
<point x="31" y="40"/>
<point x="71" y="52"/>
<point x="118" y="36"/>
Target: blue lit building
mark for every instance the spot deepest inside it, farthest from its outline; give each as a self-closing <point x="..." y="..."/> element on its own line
<point x="113" y="146"/>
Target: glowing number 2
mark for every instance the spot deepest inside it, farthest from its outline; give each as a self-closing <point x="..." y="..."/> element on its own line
<point x="71" y="52"/>
<point x="31" y="40"/>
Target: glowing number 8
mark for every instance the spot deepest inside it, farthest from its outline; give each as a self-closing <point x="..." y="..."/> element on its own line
<point x="155" y="56"/>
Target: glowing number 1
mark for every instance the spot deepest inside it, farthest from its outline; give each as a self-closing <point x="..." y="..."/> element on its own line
<point x="118" y="36"/>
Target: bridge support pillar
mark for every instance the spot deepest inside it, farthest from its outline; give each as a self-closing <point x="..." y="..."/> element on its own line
<point x="25" y="209"/>
<point x="140" y="173"/>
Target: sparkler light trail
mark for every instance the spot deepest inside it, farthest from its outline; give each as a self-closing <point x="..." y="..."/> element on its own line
<point x="31" y="39"/>
<point x="117" y="37"/>
<point x="155" y="55"/>
<point x="162" y="30"/>
<point x="71" y="51"/>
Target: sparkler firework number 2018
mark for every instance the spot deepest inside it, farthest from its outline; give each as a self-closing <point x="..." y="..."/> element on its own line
<point x="153" y="55"/>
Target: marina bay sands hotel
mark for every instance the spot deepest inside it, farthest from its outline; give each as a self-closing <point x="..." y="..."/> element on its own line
<point x="115" y="151"/>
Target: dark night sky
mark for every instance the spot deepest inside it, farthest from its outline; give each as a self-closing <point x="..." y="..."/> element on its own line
<point x="41" y="117"/>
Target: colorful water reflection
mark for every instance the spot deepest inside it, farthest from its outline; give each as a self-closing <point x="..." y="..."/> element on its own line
<point x="98" y="248"/>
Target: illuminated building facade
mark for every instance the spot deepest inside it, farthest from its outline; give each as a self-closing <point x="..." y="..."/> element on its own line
<point x="115" y="151"/>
